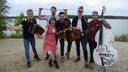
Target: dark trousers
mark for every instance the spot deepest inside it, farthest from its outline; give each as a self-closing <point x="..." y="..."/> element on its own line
<point x="69" y="45"/>
<point x="92" y="46"/>
<point x="62" y="46"/>
<point x="83" y="42"/>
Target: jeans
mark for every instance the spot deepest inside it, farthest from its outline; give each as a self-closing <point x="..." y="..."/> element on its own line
<point x="62" y="46"/>
<point x="83" y="42"/>
<point x="26" y="46"/>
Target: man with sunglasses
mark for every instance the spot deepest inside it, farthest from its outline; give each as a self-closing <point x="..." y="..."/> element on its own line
<point x="81" y="23"/>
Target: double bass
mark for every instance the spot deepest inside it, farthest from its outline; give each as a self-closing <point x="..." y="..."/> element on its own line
<point x="104" y="54"/>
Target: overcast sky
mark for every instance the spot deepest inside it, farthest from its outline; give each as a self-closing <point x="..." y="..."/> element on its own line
<point x="113" y="7"/>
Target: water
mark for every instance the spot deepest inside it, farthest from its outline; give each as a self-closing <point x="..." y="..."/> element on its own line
<point x="119" y="26"/>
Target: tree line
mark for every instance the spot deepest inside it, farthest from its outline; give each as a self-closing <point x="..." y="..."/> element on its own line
<point x="87" y="16"/>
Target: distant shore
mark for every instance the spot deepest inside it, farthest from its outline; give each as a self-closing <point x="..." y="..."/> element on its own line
<point x="88" y="16"/>
<point x="13" y="60"/>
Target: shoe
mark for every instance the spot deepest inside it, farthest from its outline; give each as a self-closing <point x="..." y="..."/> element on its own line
<point x="28" y="64"/>
<point x="62" y="60"/>
<point x="68" y="55"/>
<point x="86" y="65"/>
<point x="50" y="63"/>
<point x="91" y="65"/>
<point x="37" y="58"/>
<point x="56" y="64"/>
<point x="78" y="59"/>
<point x="104" y="69"/>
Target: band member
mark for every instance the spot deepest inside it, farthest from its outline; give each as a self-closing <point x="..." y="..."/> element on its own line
<point x="47" y="18"/>
<point x="62" y="25"/>
<point x="50" y="42"/>
<point x="94" y="26"/>
<point x="81" y="22"/>
<point x="27" y="36"/>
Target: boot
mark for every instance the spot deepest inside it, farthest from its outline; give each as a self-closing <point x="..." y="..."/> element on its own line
<point x="62" y="60"/>
<point x="68" y="55"/>
<point x="56" y="64"/>
<point x="36" y="57"/>
<point x="28" y="64"/>
<point x="50" y="63"/>
<point x="90" y="65"/>
<point x="78" y="59"/>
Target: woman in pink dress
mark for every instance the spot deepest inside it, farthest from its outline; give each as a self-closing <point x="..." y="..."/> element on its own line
<point x="50" y="42"/>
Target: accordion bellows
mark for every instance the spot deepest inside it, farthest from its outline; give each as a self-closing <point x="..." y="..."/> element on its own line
<point x="35" y="28"/>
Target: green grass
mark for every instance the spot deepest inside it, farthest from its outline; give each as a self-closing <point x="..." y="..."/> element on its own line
<point x="15" y="36"/>
<point x="122" y="37"/>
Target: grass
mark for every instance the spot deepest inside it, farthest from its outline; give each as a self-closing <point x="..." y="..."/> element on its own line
<point x="122" y="37"/>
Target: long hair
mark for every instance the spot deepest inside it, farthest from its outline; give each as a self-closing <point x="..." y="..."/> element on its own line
<point x="52" y="18"/>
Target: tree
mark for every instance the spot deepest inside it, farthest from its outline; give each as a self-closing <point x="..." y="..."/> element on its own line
<point x="3" y="10"/>
<point x="18" y="21"/>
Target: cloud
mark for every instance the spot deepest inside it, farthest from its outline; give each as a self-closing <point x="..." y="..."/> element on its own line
<point x="114" y="7"/>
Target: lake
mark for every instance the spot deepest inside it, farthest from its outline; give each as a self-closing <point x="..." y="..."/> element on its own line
<point x="119" y="26"/>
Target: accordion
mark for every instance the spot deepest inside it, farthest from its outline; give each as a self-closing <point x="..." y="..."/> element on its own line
<point x="35" y="28"/>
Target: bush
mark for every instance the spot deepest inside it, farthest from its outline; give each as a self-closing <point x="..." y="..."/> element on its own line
<point x="2" y="36"/>
<point x="16" y="35"/>
<point x="122" y="37"/>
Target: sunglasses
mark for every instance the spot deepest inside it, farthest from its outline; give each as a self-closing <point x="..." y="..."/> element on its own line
<point x="80" y="11"/>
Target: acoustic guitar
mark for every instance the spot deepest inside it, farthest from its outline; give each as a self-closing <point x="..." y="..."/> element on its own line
<point x="73" y="34"/>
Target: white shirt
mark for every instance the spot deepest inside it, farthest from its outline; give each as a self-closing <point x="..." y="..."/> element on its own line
<point x="48" y="17"/>
<point x="79" y="24"/>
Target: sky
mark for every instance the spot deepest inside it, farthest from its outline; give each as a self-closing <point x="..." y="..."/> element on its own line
<point x="113" y="7"/>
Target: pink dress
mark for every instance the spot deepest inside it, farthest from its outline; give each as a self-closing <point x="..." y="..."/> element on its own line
<point x="50" y="39"/>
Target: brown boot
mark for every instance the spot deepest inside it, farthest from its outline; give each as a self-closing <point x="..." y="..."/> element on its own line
<point x="86" y="65"/>
<point x="68" y="55"/>
<point x="91" y="65"/>
<point x="78" y="59"/>
<point x="62" y="60"/>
